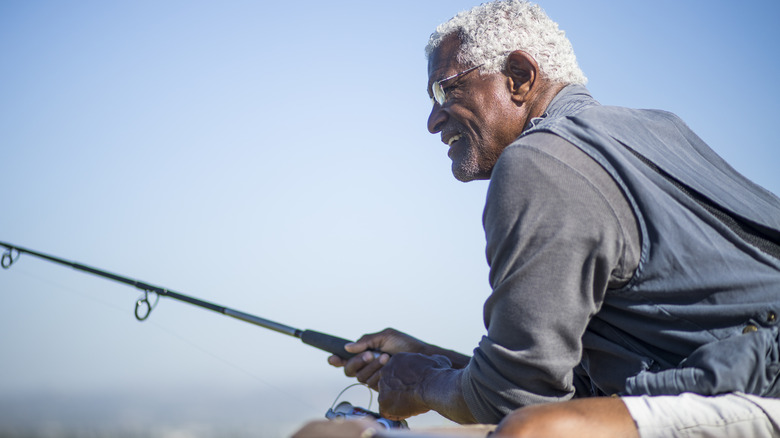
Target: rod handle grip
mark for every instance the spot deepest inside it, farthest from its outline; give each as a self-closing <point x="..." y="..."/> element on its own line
<point x="329" y="343"/>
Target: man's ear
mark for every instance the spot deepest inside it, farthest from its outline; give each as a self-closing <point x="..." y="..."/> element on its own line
<point x="522" y="72"/>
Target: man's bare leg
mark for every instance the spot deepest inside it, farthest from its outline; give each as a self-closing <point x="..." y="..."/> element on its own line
<point x="600" y="417"/>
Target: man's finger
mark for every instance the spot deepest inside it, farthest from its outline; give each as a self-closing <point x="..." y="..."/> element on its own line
<point x="336" y="361"/>
<point x="355" y="347"/>
<point x="373" y="381"/>
<point x="367" y="372"/>
<point x="357" y="363"/>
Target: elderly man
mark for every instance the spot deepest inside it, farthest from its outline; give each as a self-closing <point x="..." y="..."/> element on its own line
<point x="626" y="258"/>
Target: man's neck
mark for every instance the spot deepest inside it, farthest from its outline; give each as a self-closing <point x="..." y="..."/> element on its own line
<point x="546" y="94"/>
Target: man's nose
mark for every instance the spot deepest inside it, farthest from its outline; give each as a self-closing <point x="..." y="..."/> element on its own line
<point x="436" y="119"/>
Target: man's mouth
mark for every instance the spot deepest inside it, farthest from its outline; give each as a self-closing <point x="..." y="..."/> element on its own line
<point x="453" y="139"/>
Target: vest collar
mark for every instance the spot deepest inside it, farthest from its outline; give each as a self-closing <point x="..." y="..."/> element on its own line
<point x="570" y="100"/>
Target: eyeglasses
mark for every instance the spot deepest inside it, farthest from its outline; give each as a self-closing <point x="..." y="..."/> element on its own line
<point x="439" y="96"/>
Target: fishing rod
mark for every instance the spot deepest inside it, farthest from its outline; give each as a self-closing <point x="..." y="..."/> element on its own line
<point x="143" y="306"/>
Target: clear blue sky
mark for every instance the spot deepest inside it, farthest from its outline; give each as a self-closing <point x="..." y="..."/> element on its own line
<point x="274" y="158"/>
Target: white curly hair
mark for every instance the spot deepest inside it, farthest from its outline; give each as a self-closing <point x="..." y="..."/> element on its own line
<point x="490" y="31"/>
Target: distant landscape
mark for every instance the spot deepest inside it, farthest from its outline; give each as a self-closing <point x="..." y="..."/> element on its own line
<point x="176" y="415"/>
<point x="133" y="415"/>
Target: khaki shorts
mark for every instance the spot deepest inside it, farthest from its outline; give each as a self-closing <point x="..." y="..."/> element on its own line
<point x="692" y="415"/>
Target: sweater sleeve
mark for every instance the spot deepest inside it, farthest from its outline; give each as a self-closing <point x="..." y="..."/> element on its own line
<point x="554" y="246"/>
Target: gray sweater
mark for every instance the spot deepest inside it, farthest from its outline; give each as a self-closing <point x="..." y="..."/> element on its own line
<point x="559" y="234"/>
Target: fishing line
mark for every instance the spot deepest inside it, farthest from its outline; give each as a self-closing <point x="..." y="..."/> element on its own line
<point x="54" y="285"/>
<point x="232" y="365"/>
<point x="144" y="307"/>
<point x="69" y="289"/>
<point x="370" y="395"/>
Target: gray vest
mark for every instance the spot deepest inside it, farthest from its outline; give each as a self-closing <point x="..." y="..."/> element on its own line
<point x="701" y="312"/>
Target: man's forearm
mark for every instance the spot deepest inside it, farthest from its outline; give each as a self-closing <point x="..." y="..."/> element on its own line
<point x="442" y="391"/>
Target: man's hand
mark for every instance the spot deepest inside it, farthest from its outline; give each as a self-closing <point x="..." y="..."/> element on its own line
<point x="412" y="384"/>
<point x="366" y="366"/>
<point x="412" y="376"/>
